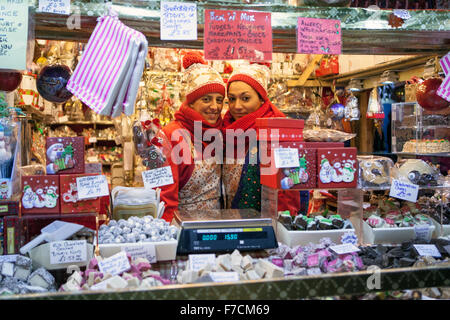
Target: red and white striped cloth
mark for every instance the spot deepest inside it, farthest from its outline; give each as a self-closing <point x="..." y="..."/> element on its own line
<point x="107" y="77"/>
<point x="444" y="88"/>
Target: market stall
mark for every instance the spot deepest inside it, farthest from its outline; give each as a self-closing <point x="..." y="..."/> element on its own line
<point x="87" y="168"/>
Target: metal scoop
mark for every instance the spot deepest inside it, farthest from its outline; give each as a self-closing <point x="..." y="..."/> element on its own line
<point x="55" y="231"/>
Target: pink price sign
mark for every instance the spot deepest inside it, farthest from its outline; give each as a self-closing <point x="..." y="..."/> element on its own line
<point x="319" y="36"/>
<point x="233" y="34"/>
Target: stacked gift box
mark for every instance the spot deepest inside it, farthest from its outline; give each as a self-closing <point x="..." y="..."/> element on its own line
<point x="54" y="196"/>
<point x="325" y="165"/>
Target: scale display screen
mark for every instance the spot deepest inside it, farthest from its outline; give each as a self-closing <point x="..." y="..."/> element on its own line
<point x="225" y="234"/>
<point x="226" y="239"/>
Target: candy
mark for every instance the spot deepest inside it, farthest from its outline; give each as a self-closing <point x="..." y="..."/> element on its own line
<point x="41" y="278"/>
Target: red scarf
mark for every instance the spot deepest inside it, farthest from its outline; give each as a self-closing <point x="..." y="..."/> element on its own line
<point x="186" y="116"/>
<point x="267" y="110"/>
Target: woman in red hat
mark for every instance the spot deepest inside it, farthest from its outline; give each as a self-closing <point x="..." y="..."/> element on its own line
<point x="196" y="175"/>
<point x="248" y="100"/>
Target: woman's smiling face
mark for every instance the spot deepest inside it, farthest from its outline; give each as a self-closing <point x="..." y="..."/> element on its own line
<point x="209" y="106"/>
<point x="242" y="99"/>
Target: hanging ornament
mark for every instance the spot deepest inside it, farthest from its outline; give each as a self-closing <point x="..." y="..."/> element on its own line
<point x="427" y="97"/>
<point x="10" y="80"/>
<point x="51" y="83"/>
<point x="374" y="109"/>
<point x="352" y="108"/>
<point x="337" y="111"/>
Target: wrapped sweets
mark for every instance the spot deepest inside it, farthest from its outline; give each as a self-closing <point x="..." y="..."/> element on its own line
<point x="318" y="222"/>
<point x="139" y="275"/>
<point x="18" y="277"/>
<point x="135" y="229"/>
<point x="314" y="259"/>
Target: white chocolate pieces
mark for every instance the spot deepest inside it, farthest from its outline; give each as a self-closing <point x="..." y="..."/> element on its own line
<point x="246" y="267"/>
<point x="139" y="275"/>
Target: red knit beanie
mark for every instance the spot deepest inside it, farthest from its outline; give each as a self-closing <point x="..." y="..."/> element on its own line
<point x="255" y="75"/>
<point x="200" y="79"/>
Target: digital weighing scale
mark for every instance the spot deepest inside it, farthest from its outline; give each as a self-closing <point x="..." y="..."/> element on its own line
<point x="224" y="232"/>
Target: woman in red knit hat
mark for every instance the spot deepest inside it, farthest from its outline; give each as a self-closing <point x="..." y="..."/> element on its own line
<point x="248" y="100"/>
<point x="196" y="175"/>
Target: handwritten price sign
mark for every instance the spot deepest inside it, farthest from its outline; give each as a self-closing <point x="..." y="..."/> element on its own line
<point x="178" y="21"/>
<point x="238" y="35"/>
<point x="403" y="190"/>
<point x="55" y="6"/>
<point x="92" y="187"/>
<point x="13" y="34"/>
<point x="68" y="251"/>
<point x="319" y="36"/>
<point x="286" y="158"/>
<point x="157" y="177"/>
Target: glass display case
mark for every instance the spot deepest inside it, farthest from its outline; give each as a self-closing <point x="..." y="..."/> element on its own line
<point x="419" y="131"/>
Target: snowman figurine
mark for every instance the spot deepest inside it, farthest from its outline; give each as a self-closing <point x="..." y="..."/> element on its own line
<point x="326" y="171"/>
<point x="337" y="173"/>
<point x="39" y="201"/>
<point x="28" y="198"/>
<point x="54" y="152"/>
<point x="348" y="171"/>
<point x="51" y="197"/>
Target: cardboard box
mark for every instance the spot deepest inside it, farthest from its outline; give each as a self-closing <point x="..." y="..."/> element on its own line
<point x="65" y="155"/>
<point x="303" y="177"/>
<point x="279" y="129"/>
<point x="40" y="195"/>
<point x="69" y="196"/>
<point x="337" y="168"/>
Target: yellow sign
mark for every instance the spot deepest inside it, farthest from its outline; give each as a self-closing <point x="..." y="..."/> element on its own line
<point x="252" y="229"/>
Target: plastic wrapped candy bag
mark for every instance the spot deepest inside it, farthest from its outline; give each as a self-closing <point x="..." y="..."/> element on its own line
<point x="351" y="110"/>
<point x="417" y="171"/>
<point x="374" y="171"/>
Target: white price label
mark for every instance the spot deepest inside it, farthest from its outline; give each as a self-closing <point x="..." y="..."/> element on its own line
<point x="427" y="250"/>
<point x="93" y="140"/>
<point x="403" y="190"/>
<point x="157" y="177"/>
<point x="68" y="251"/>
<point x="286" y="158"/>
<point x="92" y="187"/>
<point x="55" y="6"/>
<point x="344" y="248"/>
<point x="92" y="159"/>
<point x="178" y="21"/>
<point x="146" y="250"/>
<point x="115" y="264"/>
<point x="224" y="276"/>
<point x="199" y="261"/>
<point x="423" y="232"/>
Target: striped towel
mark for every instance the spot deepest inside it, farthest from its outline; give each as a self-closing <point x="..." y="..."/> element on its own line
<point x="444" y="88"/>
<point x="107" y="77"/>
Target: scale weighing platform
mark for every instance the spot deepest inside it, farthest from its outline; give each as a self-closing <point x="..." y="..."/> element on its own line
<point x="224" y="231"/>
